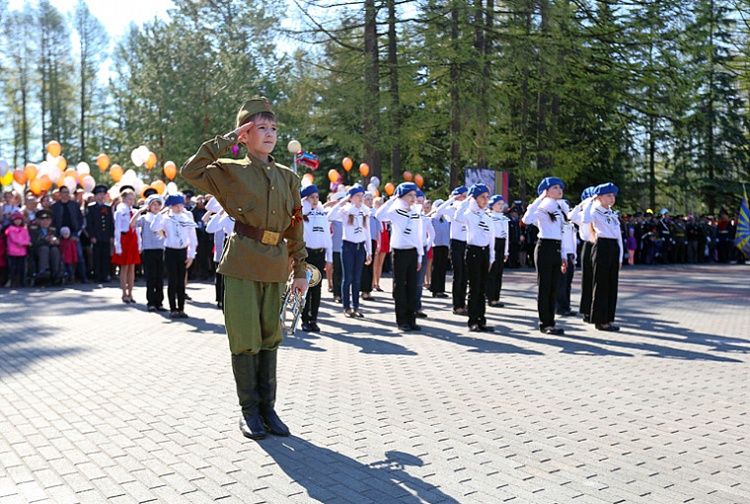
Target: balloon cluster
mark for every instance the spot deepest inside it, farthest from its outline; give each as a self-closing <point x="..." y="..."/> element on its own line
<point x="54" y="171"/>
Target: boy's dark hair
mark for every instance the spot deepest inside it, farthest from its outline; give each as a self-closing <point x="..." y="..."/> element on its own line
<point x="268" y="116"/>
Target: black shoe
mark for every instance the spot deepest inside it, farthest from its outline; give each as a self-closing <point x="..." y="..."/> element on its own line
<point x="246" y="373"/>
<point x="486" y="328"/>
<point x="251" y="426"/>
<point x="267" y="389"/>
<point x="151" y="308"/>
<point x="440" y="295"/>
<point x="405" y="327"/>
<point x="182" y="314"/>
<point x="307" y="327"/>
<point x="336" y="299"/>
<point x="357" y="314"/>
<point x="566" y="313"/>
<point x="607" y="327"/>
<point x="460" y="311"/>
<point x="315" y="327"/>
<point x="415" y="327"/>
<point x="496" y="304"/>
<point x="161" y="309"/>
<point x="220" y="305"/>
<point x="366" y="296"/>
<point x="349" y="313"/>
<point x="188" y="298"/>
<point x="552" y="330"/>
<point x="475" y="328"/>
<point x="586" y="319"/>
<point x="174" y="314"/>
<point x="420" y="314"/>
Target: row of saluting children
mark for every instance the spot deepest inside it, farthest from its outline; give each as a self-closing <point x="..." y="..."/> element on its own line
<point x="478" y="249"/>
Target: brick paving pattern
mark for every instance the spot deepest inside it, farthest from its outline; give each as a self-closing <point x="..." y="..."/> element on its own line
<point x="103" y="402"/>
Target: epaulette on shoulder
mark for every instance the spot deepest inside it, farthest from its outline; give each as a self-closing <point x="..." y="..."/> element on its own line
<point x="231" y="161"/>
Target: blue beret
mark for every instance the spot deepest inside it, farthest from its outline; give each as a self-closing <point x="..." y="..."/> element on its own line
<point x="459" y="190"/>
<point x="606" y="188"/>
<point x="405" y="188"/>
<point x="548" y="182"/>
<point x="355" y="189"/>
<point x="308" y="190"/>
<point x="175" y="199"/>
<point x="420" y="193"/>
<point x="477" y="189"/>
<point x="588" y="192"/>
<point x="496" y="198"/>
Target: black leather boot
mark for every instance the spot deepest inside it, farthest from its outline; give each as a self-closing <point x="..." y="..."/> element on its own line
<point x="246" y="372"/>
<point x="267" y="388"/>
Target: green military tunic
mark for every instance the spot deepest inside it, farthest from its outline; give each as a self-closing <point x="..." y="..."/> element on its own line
<point x="264" y="195"/>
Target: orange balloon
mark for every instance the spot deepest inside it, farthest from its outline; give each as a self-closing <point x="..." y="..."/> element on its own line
<point x="36" y="187"/>
<point x="30" y="171"/>
<point x="115" y="172"/>
<point x="389" y="188"/>
<point x="408" y="176"/>
<point x="71" y="172"/>
<point x="54" y="148"/>
<point x="419" y="180"/>
<point x="46" y="182"/>
<point x="333" y="175"/>
<point x="160" y="186"/>
<point x="151" y="162"/>
<point x="347" y="163"/>
<point x="19" y="176"/>
<point x="62" y="163"/>
<point x="170" y="169"/>
<point x="364" y="169"/>
<point x="102" y="161"/>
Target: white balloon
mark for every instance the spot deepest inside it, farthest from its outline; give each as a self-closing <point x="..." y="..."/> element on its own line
<point x="172" y="188"/>
<point x="43" y="168"/>
<point x="135" y="157"/>
<point x="54" y="173"/>
<point x="144" y="152"/>
<point x="88" y="183"/>
<point x="83" y="168"/>
<point x="294" y="147"/>
<point x="372" y="188"/>
<point x="70" y="183"/>
<point x="138" y="185"/>
<point x="375" y="181"/>
<point x="3" y="167"/>
<point x="129" y="176"/>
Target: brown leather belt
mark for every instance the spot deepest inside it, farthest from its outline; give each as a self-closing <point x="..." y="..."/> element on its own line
<point x="262" y="235"/>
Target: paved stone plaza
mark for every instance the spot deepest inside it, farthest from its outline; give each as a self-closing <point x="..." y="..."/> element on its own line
<point x="100" y="401"/>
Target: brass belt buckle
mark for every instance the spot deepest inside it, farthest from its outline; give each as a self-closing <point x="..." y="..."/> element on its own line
<point x="269" y="238"/>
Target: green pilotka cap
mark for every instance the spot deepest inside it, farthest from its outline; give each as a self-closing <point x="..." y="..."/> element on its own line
<point x="253" y="106"/>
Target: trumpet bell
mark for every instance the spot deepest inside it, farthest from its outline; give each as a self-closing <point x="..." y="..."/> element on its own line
<point x="293" y="303"/>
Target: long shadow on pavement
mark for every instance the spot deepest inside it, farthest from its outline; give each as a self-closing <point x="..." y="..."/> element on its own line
<point x="328" y="475"/>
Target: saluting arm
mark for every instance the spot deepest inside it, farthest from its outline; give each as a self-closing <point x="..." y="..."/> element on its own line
<point x="199" y="170"/>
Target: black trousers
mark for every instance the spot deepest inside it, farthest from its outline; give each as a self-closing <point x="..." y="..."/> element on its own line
<point x="563" y="289"/>
<point x="587" y="279"/>
<point x="548" y="261"/>
<point x="477" y="265"/>
<point x="495" y="280"/>
<point x="366" y="280"/>
<point x="458" y="261"/>
<point x="439" y="268"/>
<point x="174" y="260"/>
<point x="316" y="257"/>
<point x="405" y="285"/>
<point x="101" y="258"/>
<point x="338" y="274"/>
<point x="605" y="256"/>
<point x="153" y="268"/>
<point x="218" y="284"/>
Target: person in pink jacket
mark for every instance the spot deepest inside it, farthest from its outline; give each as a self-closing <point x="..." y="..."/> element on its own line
<point x="17" y="243"/>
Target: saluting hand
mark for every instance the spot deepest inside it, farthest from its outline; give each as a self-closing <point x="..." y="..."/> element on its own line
<point x="242" y="131"/>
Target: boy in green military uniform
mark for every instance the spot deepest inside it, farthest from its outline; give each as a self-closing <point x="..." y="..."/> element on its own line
<point x="263" y="199"/>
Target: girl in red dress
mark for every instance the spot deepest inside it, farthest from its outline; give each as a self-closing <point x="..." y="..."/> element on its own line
<point x="383" y="249"/>
<point x="127" y="250"/>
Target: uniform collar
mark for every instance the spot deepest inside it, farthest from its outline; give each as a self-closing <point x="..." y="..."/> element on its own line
<point x="254" y="160"/>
